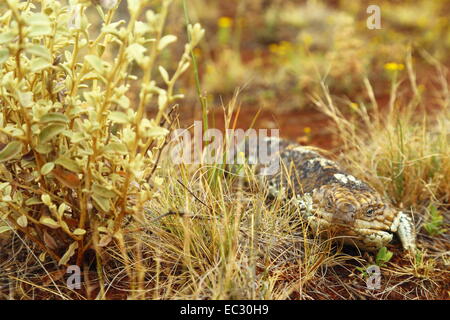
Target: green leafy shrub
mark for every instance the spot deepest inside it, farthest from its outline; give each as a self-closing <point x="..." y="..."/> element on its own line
<point x="76" y="155"/>
<point x="435" y="222"/>
<point x="383" y="256"/>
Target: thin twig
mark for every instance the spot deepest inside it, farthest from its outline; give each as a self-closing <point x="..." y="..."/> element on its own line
<point x="192" y="193"/>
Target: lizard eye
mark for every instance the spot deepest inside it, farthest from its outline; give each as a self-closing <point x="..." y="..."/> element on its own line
<point x="370" y="212"/>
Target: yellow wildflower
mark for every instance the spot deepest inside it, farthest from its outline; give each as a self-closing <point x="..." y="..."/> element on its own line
<point x="198" y="52"/>
<point x="273" y="47"/>
<point x="285" y="47"/>
<point x="354" y="106"/>
<point x="393" y="66"/>
<point x="307" y="130"/>
<point x="307" y="39"/>
<point x="225" y="22"/>
<point x="281" y="49"/>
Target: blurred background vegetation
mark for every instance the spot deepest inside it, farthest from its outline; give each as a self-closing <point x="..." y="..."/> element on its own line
<point x="277" y="52"/>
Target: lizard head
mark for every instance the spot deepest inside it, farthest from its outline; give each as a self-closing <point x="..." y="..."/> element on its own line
<point x="358" y="214"/>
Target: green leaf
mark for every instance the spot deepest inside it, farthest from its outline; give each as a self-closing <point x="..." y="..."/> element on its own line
<point x="79" y="232"/>
<point x="383" y="256"/>
<point x="43" y="148"/>
<point x="22" y="221"/>
<point x="113" y="28"/>
<point x="25" y="98"/>
<point x="54" y="117"/>
<point x="123" y="101"/>
<point x="166" y="40"/>
<point x="164" y="74"/>
<point x="32" y="201"/>
<point x="89" y="76"/>
<point x="11" y="150"/>
<point x="133" y="6"/>
<point x="95" y="63"/>
<point x="102" y="202"/>
<point x="115" y="147"/>
<point x="6" y="36"/>
<point x="141" y="27"/>
<point x="381" y="252"/>
<point x="118" y="117"/>
<point x="4" y="55"/>
<point x="69" y="253"/>
<point x="39" y="51"/>
<point x="39" y="64"/>
<point x="50" y="131"/>
<point x="49" y="222"/>
<point x="47" y="168"/>
<point x="61" y="209"/>
<point x="40" y="25"/>
<point x="435" y="221"/>
<point x="68" y="163"/>
<point x="4" y="229"/>
<point x="103" y="191"/>
<point x="136" y="52"/>
<point x="157" y="131"/>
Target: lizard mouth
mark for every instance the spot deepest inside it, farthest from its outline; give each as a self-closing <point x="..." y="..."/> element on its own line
<point x="364" y="234"/>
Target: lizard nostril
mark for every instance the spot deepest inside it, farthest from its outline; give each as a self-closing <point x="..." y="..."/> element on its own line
<point x="347" y="208"/>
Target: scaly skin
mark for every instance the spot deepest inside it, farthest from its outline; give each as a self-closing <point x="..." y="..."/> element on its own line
<point x="333" y="200"/>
